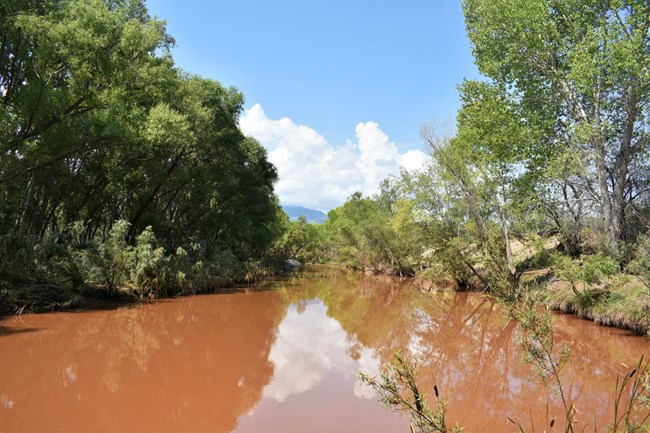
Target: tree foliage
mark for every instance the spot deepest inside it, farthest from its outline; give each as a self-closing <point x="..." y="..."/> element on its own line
<point x="583" y="66"/>
<point x="97" y="125"/>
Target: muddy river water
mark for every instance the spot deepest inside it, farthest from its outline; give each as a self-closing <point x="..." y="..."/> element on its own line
<point x="284" y="357"/>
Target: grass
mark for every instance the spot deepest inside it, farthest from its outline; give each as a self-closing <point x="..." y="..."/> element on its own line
<point x="621" y="301"/>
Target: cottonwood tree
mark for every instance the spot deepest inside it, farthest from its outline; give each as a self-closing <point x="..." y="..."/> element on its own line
<point x="584" y="64"/>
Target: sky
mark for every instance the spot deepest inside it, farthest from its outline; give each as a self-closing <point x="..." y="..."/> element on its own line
<point x="336" y="90"/>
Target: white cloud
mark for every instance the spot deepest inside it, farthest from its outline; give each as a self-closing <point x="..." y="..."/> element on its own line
<point x="413" y="159"/>
<point x="315" y="173"/>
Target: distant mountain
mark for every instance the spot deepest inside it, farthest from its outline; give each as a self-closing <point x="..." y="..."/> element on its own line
<point x="312" y="215"/>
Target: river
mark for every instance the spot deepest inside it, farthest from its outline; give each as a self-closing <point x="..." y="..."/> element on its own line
<point x="284" y="357"/>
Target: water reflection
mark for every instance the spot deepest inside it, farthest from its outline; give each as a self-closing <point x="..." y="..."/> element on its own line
<point x="315" y="387"/>
<point x="469" y="350"/>
<point x="287" y="360"/>
<point x="308" y="346"/>
<point x="194" y="365"/>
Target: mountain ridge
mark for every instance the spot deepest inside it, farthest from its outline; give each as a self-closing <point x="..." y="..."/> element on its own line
<point x="312" y="215"/>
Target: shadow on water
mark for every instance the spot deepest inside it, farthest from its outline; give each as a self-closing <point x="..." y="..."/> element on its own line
<point x="4" y="331"/>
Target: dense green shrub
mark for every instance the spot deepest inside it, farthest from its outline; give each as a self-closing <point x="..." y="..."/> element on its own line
<point x="588" y="270"/>
<point x="107" y="261"/>
<point x="302" y="241"/>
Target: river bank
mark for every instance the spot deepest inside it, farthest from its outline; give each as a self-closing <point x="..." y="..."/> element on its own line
<point x="624" y="302"/>
<point x="39" y="297"/>
<point x="621" y="300"/>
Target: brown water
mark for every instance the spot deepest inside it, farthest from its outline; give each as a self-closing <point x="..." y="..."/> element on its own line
<point x="286" y="360"/>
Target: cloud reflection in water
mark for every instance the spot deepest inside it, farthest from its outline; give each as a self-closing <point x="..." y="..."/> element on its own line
<point x="310" y="345"/>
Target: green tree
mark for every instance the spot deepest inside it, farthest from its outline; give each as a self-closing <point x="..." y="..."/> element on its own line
<point x="301" y="240"/>
<point x="583" y="65"/>
<point x="483" y="167"/>
<point x="97" y="125"/>
<point x="69" y="60"/>
<point x="431" y="224"/>
<point x="362" y="233"/>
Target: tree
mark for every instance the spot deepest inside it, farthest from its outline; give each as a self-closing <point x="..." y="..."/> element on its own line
<point x="367" y="232"/>
<point x="470" y="205"/>
<point x="301" y="240"/>
<point x="431" y="224"/>
<point x="583" y="65"/>
<point x="66" y="69"/>
<point x="97" y="125"/>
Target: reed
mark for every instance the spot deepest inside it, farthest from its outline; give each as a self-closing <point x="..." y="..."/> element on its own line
<point x="398" y="390"/>
<point x="632" y="391"/>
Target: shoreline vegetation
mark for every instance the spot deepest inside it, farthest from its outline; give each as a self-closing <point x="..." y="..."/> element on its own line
<point x="592" y="286"/>
<point x="619" y="301"/>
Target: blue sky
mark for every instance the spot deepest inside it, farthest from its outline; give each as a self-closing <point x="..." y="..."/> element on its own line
<point x="335" y="90"/>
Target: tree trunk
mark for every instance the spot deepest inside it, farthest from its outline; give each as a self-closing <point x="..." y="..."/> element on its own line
<point x="614" y="203"/>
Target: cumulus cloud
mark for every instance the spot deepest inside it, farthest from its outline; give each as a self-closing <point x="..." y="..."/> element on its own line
<point x="317" y="174"/>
